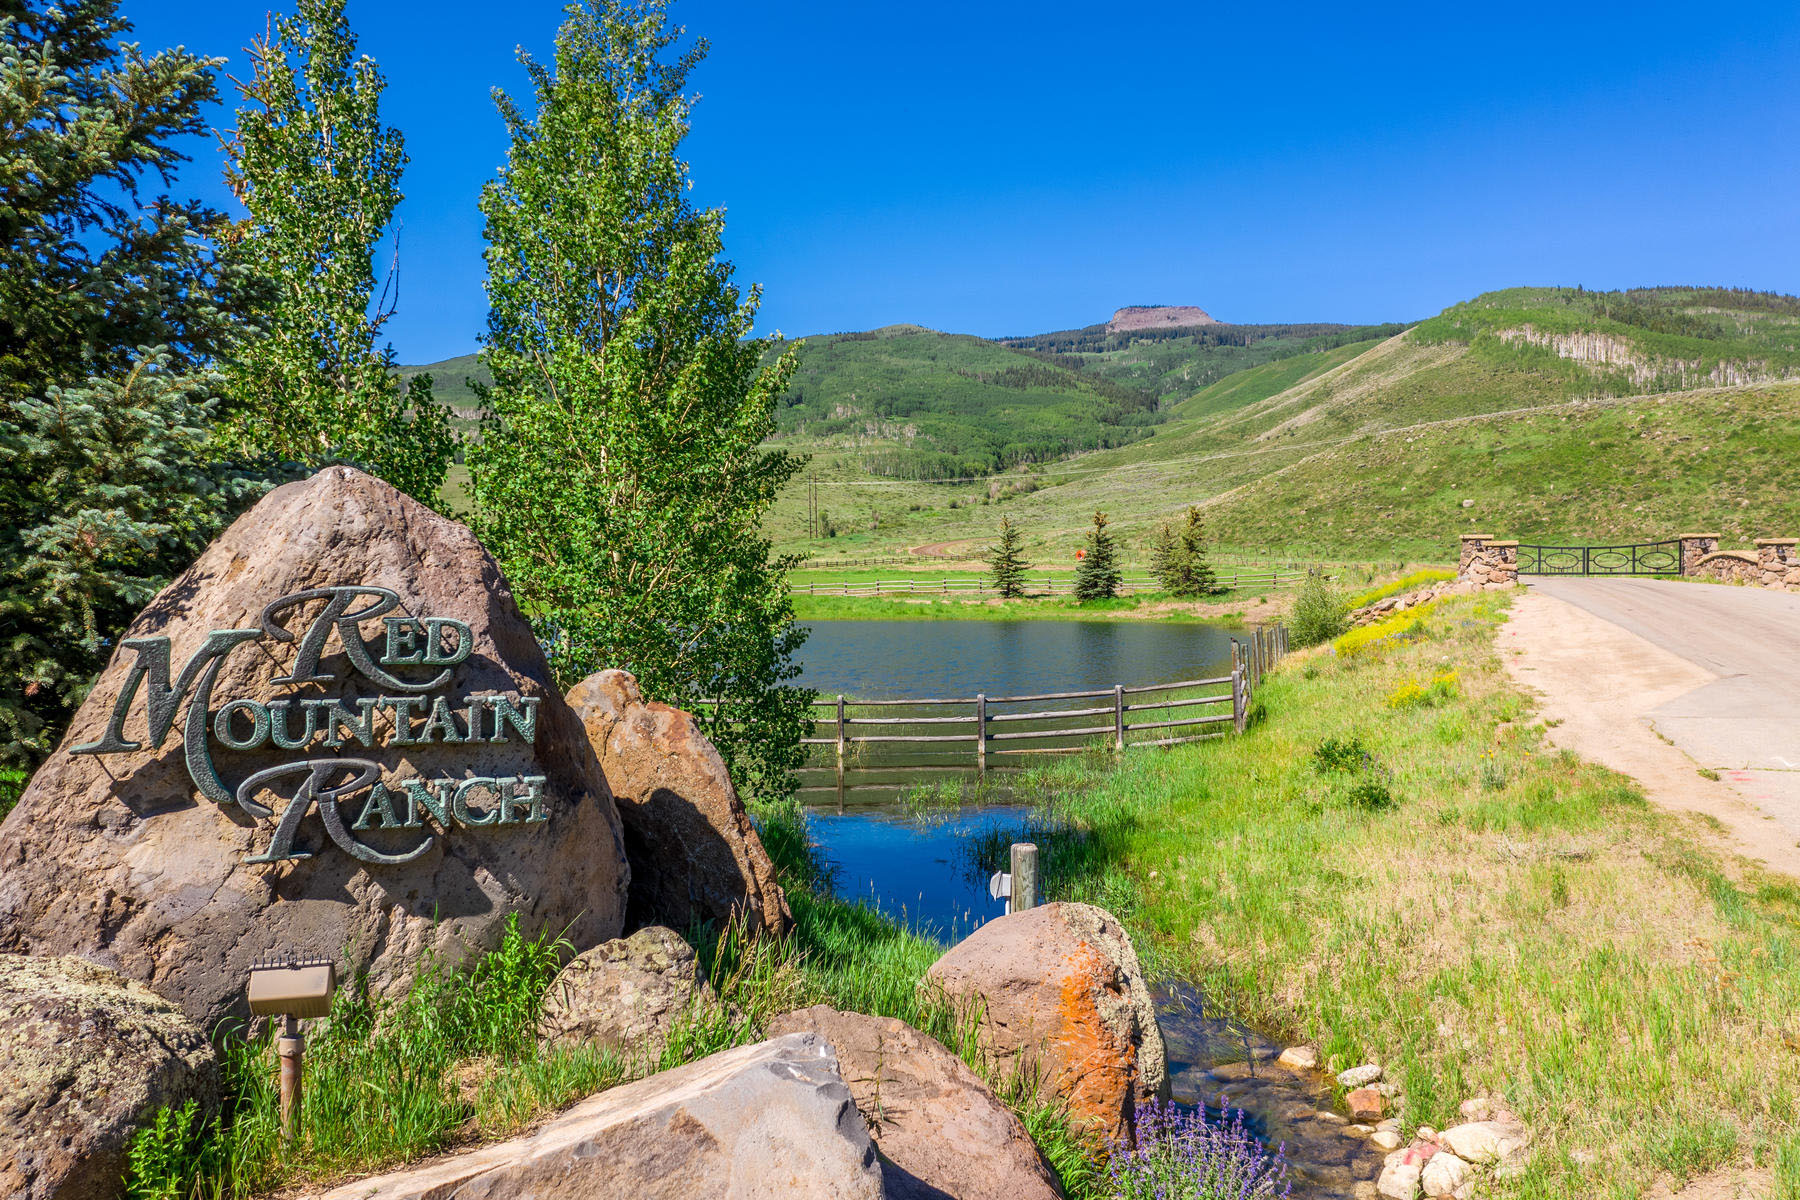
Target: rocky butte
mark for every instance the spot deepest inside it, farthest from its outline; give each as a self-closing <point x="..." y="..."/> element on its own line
<point x="1137" y="317"/>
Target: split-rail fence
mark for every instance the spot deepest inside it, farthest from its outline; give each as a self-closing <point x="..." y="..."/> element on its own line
<point x="996" y="726"/>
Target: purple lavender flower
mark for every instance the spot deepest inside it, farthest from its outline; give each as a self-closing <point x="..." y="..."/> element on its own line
<point x="1181" y="1156"/>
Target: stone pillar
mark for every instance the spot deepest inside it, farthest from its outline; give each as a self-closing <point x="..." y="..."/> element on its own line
<point x="1778" y="554"/>
<point x="1694" y="547"/>
<point x="1778" y="563"/>
<point x="1471" y="546"/>
<point x="1503" y="562"/>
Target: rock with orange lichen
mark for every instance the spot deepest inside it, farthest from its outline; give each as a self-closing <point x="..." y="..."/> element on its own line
<point x="1061" y="996"/>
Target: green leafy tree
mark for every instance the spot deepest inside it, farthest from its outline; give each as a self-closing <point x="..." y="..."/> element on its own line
<point x="1006" y="561"/>
<point x="1178" y="557"/>
<point x="1097" y="573"/>
<point x="112" y="304"/>
<point x="1318" y="612"/>
<point x="620" y="477"/>
<point x="319" y="175"/>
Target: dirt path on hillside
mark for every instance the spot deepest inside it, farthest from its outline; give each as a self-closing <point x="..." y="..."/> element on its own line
<point x="1601" y="685"/>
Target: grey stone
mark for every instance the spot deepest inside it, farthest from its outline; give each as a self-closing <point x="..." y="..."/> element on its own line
<point x="86" y="1056"/>
<point x="1361" y="1076"/>
<point x="773" y="1121"/>
<point x="627" y="993"/>
<point x="939" y="1129"/>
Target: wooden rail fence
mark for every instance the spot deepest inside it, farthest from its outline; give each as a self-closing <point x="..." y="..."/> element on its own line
<point x="1042" y="584"/>
<point x="997" y="733"/>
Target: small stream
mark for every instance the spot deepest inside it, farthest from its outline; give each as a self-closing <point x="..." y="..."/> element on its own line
<point x="925" y="867"/>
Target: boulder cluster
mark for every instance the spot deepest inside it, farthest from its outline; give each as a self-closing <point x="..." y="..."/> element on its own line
<point x="1437" y="1164"/>
<point x="1387" y="606"/>
<point x="336" y="735"/>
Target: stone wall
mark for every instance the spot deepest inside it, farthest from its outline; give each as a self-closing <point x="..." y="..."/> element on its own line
<point x="1488" y="562"/>
<point x="1776" y="564"/>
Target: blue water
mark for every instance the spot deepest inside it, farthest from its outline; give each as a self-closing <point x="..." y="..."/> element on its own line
<point x="920" y="871"/>
<point x="902" y="660"/>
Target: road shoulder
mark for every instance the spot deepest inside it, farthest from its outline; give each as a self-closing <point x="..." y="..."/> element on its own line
<point x="1600" y="686"/>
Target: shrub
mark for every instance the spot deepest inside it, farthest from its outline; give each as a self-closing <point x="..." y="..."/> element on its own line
<point x="1370" y="795"/>
<point x="1338" y="754"/>
<point x="1318" y="615"/>
<point x="1410" y="694"/>
<point x="1179" y="1154"/>
<point x="1401" y="626"/>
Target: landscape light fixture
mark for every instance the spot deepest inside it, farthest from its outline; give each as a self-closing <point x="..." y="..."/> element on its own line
<point x="292" y="988"/>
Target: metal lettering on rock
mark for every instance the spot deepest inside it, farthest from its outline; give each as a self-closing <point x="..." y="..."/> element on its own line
<point x="326" y="784"/>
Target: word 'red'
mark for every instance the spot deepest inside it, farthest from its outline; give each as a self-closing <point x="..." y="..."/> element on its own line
<point x="408" y="644"/>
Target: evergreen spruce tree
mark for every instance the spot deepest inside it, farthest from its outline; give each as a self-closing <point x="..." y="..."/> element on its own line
<point x="112" y="306"/>
<point x="319" y="175"/>
<point x="1178" y="557"/>
<point x="1006" y="562"/>
<point x="1164" y="567"/>
<point x="1097" y="574"/>
<point x="620" y="477"/>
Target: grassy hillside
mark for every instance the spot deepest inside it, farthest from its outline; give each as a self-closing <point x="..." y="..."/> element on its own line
<point x="909" y="402"/>
<point x="1557" y="412"/>
<point x="1174" y="363"/>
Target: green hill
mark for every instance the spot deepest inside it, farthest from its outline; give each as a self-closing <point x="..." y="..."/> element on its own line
<point x="913" y="403"/>
<point x="1557" y="413"/>
<point x="1180" y="361"/>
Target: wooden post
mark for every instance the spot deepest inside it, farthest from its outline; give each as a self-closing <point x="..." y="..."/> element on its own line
<point x="1024" y="876"/>
<point x="1237" y="699"/>
<point x="840" y="732"/>
<point x="981" y="732"/>
<point x="289" y="1048"/>
<point x="1118" y="716"/>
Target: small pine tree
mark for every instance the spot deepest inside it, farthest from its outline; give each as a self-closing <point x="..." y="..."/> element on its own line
<point x="1178" y="557"/>
<point x="1097" y="574"/>
<point x="1006" y="560"/>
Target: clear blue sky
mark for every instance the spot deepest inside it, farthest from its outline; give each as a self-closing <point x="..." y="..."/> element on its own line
<point x="998" y="168"/>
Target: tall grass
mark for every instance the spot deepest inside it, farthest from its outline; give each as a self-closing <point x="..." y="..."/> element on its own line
<point x="1510" y="919"/>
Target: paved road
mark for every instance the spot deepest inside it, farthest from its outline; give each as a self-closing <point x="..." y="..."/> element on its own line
<point x="1743" y="718"/>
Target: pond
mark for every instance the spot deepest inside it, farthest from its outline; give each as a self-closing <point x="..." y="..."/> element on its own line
<point x="927" y="863"/>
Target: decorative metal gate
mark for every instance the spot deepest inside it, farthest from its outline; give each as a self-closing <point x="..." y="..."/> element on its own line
<point x="1645" y="558"/>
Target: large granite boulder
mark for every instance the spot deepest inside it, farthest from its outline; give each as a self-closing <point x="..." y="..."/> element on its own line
<point x="938" y="1128"/>
<point x="1061" y="996"/>
<point x="627" y="994"/>
<point x="771" y="1121"/>
<point x="333" y="734"/>
<point x="86" y="1056"/>
<point x="695" y="856"/>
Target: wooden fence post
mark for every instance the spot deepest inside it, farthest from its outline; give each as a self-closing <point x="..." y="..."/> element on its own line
<point x="981" y="732"/>
<point x="1118" y="716"/>
<point x="1237" y="699"/>
<point x="840" y="732"/>
<point x="1024" y="876"/>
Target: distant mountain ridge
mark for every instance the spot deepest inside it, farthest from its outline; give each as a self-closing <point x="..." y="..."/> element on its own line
<point x="1135" y="317"/>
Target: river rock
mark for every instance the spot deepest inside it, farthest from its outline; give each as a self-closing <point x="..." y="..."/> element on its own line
<point x="939" y="1129"/>
<point x="86" y="1056"/>
<point x="1357" y="1077"/>
<point x="149" y="859"/>
<point x="1061" y="996"/>
<point x="627" y="993"/>
<point x="1484" y="1141"/>
<point x="1443" y="1175"/>
<point x="694" y="854"/>
<point x="771" y="1121"/>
